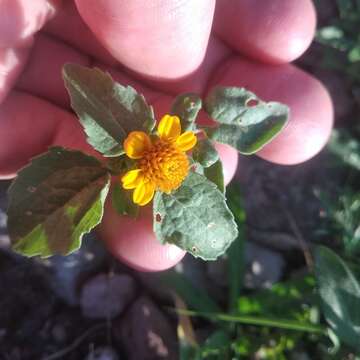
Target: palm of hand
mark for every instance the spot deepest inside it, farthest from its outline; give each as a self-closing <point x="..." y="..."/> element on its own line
<point x="163" y="44"/>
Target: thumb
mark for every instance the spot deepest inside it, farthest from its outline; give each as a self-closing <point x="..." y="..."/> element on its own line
<point x="21" y="19"/>
<point x="161" y="39"/>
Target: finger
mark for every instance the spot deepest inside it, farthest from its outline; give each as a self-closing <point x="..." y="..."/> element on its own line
<point x="276" y="31"/>
<point x="42" y="75"/>
<point x="133" y="241"/>
<point x="311" y="110"/>
<point x="43" y="78"/>
<point x="20" y="118"/>
<point x="67" y="22"/>
<point x="161" y="39"/>
<point x="28" y="126"/>
<point x="69" y="27"/>
<point x="12" y="62"/>
<point x="216" y="54"/>
<point x="20" y="19"/>
<point x="229" y="159"/>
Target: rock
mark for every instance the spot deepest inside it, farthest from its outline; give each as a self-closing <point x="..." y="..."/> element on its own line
<point x="106" y="296"/>
<point x="146" y="333"/>
<point x="103" y="353"/>
<point x="68" y="272"/>
<point x="3" y="220"/>
<point x="59" y="333"/>
<point x="4" y="242"/>
<point x="263" y="266"/>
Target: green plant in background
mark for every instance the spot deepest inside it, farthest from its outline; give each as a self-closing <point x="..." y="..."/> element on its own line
<point x="61" y="194"/>
<point x="343" y="222"/>
<point x="346" y="148"/>
<point x="342" y="209"/>
<point x="342" y="39"/>
<point x="339" y="276"/>
<point x="318" y="313"/>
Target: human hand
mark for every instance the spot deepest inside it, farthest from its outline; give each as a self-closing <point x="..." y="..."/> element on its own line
<point x="162" y="44"/>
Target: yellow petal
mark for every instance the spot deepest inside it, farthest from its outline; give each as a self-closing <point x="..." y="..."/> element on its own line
<point x="143" y="193"/>
<point x="132" y="179"/>
<point x="186" y="141"/>
<point x="169" y="127"/>
<point x="136" y="144"/>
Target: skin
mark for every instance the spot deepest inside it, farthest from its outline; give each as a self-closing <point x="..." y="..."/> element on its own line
<point x="161" y="48"/>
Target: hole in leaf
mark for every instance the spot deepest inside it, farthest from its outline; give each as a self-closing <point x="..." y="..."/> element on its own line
<point x="158" y="217"/>
<point x="252" y="103"/>
<point x="194" y="249"/>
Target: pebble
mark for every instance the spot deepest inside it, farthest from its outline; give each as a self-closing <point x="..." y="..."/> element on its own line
<point x="264" y="267"/>
<point x="66" y="273"/>
<point x="103" y="353"/>
<point x="146" y="333"/>
<point x="106" y="296"/>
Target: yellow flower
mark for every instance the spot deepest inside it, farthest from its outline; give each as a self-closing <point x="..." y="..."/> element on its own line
<point x="162" y="162"/>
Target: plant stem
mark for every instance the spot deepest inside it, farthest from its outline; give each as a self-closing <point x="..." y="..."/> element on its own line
<point x="260" y="321"/>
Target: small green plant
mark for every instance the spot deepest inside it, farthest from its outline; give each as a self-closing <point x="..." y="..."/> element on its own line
<point x="341" y="38"/>
<point x="342" y="208"/>
<point x="317" y="313"/>
<point x="60" y="195"/>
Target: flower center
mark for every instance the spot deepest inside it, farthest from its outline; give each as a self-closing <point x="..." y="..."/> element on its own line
<point x="165" y="165"/>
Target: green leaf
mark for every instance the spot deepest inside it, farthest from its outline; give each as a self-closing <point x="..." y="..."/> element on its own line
<point x="122" y="202"/>
<point x="205" y="153"/>
<point x="107" y="110"/>
<point x="195" y="218"/>
<point x="246" y="122"/>
<point x="217" y="346"/>
<point x="345" y="147"/>
<point x="215" y="174"/>
<point x="276" y="322"/>
<point x="195" y="298"/>
<point x="291" y="299"/>
<point x="54" y="201"/>
<point x="186" y="107"/>
<point x="346" y="8"/>
<point x="340" y="294"/>
<point x="354" y="54"/>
